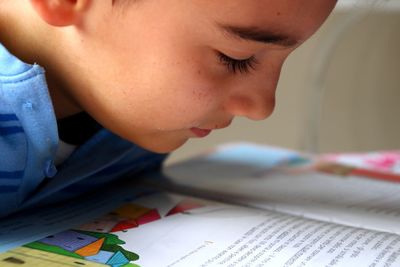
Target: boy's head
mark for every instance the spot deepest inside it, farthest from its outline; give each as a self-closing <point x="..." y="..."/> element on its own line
<point x="158" y="72"/>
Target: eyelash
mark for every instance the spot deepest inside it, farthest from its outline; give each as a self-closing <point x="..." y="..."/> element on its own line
<point x="234" y="65"/>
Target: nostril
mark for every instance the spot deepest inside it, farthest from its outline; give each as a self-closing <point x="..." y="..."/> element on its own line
<point x="264" y="109"/>
<point x="254" y="109"/>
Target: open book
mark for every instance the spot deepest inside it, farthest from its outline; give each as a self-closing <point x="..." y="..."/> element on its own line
<point x="240" y="205"/>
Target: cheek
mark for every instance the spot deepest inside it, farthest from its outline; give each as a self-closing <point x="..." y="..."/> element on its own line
<point x="164" y="85"/>
<point x="177" y="98"/>
<point x="181" y="86"/>
<point x="203" y="95"/>
<point x="192" y="101"/>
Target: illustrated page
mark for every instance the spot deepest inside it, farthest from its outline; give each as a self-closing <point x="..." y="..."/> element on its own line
<point x="33" y="224"/>
<point x="174" y="230"/>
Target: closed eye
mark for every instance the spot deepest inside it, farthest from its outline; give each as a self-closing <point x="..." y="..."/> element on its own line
<point x="238" y="65"/>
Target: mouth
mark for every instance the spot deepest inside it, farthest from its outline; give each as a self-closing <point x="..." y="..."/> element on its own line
<point x="200" y="132"/>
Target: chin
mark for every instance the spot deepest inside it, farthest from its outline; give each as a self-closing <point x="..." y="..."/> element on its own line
<point x="158" y="143"/>
<point x="162" y="147"/>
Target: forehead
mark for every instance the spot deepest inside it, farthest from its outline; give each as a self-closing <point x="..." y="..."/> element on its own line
<point x="296" y="17"/>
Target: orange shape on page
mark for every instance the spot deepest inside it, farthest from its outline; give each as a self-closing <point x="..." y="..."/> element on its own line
<point x="130" y="211"/>
<point x="151" y="216"/>
<point x="184" y="205"/>
<point x="334" y="168"/>
<point x="124" y="225"/>
<point x="91" y="249"/>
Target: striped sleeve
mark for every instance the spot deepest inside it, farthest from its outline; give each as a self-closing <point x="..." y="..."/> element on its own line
<point x="13" y="151"/>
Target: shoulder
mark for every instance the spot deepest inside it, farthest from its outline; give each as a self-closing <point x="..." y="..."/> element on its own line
<point x="28" y="129"/>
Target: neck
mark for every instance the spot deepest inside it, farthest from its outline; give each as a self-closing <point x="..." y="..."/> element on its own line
<point x="36" y="43"/>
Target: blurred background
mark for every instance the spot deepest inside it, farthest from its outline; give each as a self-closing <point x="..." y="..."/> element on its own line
<point x="340" y="91"/>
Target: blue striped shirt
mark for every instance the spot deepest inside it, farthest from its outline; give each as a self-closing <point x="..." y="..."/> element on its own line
<point x="29" y="140"/>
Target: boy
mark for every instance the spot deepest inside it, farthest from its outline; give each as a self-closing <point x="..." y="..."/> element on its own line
<point x="127" y="81"/>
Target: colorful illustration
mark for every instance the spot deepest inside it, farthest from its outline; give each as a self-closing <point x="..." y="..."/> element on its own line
<point x="125" y="217"/>
<point x="95" y="243"/>
<point x="383" y="161"/>
<point x="24" y="256"/>
<point x="375" y="165"/>
<point x="102" y="248"/>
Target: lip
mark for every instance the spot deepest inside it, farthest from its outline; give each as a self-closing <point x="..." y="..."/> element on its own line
<point x="200" y="132"/>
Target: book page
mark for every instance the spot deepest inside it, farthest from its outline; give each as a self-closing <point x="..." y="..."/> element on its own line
<point x="174" y="230"/>
<point x="354" y="201"/>
<point x="30" y="225"/>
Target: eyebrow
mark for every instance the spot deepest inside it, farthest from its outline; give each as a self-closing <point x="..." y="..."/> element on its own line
<point x="259" y="35"/>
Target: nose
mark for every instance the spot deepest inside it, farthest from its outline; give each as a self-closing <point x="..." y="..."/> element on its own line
<point x="258" y="107"/>
<point x="253" y="99"/>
